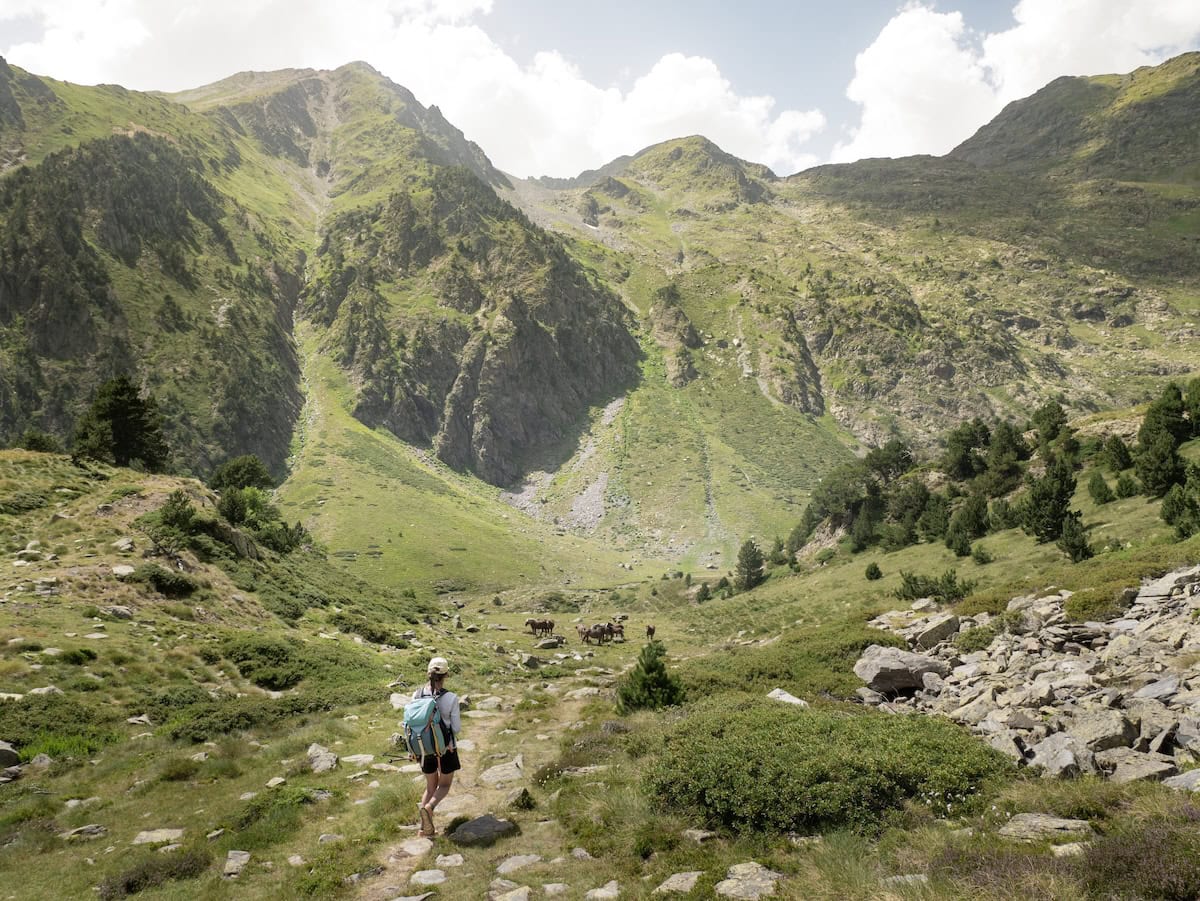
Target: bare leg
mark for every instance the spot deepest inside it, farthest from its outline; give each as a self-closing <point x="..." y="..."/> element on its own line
<point x="431" y="785"/>
<point x="442" y="788"/>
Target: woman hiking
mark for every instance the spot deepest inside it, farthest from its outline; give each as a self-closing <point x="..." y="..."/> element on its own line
<point x="439" y="771"/>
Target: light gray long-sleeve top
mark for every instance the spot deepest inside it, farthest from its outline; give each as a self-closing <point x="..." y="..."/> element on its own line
<point x="447" y="703"/>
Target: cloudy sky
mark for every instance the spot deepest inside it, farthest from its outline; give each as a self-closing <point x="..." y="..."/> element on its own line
<point x="551" y="87"/>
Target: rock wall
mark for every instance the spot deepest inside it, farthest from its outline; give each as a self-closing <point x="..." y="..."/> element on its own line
<point x="1119" y="699"/>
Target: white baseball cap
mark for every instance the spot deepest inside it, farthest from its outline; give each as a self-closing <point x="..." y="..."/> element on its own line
<point x="439" y="666"/>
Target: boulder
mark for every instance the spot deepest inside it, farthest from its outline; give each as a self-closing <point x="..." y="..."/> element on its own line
<point x="428" y="877"/>
<point x="891" y="670"/>
<point x="529" y="661"/>
<point x="483" y="831"/>
<point x="607" y="892"/>
<point x="1041" y="827"/>
<point x="416" y="847"/>
<point x="1161" y="690"/>
<point x="748" y="882"/>
<point x="84" y="833"/>
<point x="555" y="889"/>
<point x="1144" y="768"/>
<point x="8" y="755"/>
<point x="118" y="611"/>
<point x="158" y="836"/>
<point x="1062" y="755"/>
<point x="1100" y="730"/>
<point x="679" y="883"/>
<point x="937" y="630"/>
<point x="321" y="759"/>
<point x="1188" y="782"/>
<point x="445" y="861"/>
<point x="778" y="694"/>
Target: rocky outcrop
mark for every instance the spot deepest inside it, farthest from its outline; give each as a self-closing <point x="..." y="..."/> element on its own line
<point x="1118" y="698"/>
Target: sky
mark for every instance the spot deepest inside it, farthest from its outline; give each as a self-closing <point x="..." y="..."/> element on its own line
<point x="553" y="87"/>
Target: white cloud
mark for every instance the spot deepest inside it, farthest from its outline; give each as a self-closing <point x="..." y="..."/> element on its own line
<point x="541" y="118"/>
<point x="928" y="82"/>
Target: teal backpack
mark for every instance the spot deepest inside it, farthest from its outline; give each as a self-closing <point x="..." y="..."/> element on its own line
<point x="423" y="732"/>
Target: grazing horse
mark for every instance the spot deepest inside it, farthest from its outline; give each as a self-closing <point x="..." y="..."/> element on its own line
<point x="595" y="633"/>
<point x="540" y="626"/>
<point x="650" y="633"/>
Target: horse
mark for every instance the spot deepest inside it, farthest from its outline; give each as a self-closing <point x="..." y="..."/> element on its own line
<point x="540" y="626"/>
<point x="650" y="633"/>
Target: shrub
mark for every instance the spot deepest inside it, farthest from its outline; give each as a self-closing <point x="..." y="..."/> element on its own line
<point x="165" y="582"/>
<point x="1003" y="871"/>
<point x="873" y="573"/>
<point x="649" y="685"/>
<point x="42" y="442"/>
<point x="1099" y="603"/>
<point x="153" y="870"/>
<point x="270" y="817"/>
<point x="1127" y="486"/>
<point x="179" y="769"/>
<point x="77" y="656"/>
<point x="763" y="766"/>
<point x="271" y="663"/>
<point x="945" y="589"/>
<point x="981" y="555"/>
<point x="1072" y="539"/>
<point x="246" y="471"/>
<point x="1155" y="860"/>
<point x="37" y="721"/>
<point x="976" y="639"/>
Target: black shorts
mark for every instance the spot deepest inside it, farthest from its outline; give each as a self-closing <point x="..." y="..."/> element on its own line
<point x="449" y="763"/>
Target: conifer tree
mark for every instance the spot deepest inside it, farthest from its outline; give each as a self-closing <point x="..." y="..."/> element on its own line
<point x="1116" y="454"/>
<point x="1159" y="465"/>
<point x="749" y="570"/>
<point x="1098" y="488"/>
<point x="1046" y="505"/>
<point x="1072" y="540"/>
<point x="649" y="686"/>
<point x="122" y="427"/>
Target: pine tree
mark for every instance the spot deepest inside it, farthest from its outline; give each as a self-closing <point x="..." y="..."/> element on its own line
<point x="1098" y="488"/>
<point x="1049" y="420"/>
<point x="1191" y="400"/>
<point x="1073" y="539"/>
<point x="958" y="540"/>
<point x="1127" y="486"/>
<point x="703" y="593"/>
<point x="1158" y="464"/>
<point x="1116" y="454"/>
<point x="246" y="471"/>
<point x="649" y="686"/>
<point x="1048" y="501"/>
<point x="749" y="570"/>
<point x="873" y="573"/>
<point x="121" y="427"/>
<point x="1165" y="415"/>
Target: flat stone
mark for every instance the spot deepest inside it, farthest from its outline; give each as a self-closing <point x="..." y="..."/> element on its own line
<point x="84" y="833"/>
<point x="581" y="854"/>
<point x="579" y="694"/>
<point x="906" y="879"/>
<point x="517" y="862"/>
<point x="1160" y="690"/>
<point x="513" y="771"/>
<point x="555" y="889"/>
<point x="158" y="836"/>
<point x="416" y="847"/>
<point x="521" y="893"/>
<point x="607" y="892"/>
<point x="296" y="861"/>
<point x="1144" y="768"/>
<point x="748" y="882"/>
<point x="329" y="838"/>
<point x="1040" y="827"/>
<point x="449" y="860"/>
<point x="483" y="831"/>
<point x="359" y="759"/>
<point x="1189" y="781"/>
<point x="123" y="570"/>
<point x="938" y="629"/>
<point x="699" y="836"/>
<point x="1063" y="755"/>
<point x="778" y="694"/>
<point x="1071" y="849"/>
<point x="428" y="877"/>
<point x="276" y="782"/>
<point x="679" y="883"/>
<point x="235" y="862"/>
<point x="8" y="755"/>
<point x="1100" y="730"/>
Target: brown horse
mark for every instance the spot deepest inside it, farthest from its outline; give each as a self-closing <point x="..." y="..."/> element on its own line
<point x="650" y="633"/>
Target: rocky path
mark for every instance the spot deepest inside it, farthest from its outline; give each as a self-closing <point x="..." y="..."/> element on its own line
<point x="493" y="769"/>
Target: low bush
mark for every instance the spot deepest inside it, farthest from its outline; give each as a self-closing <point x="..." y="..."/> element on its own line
<point x="762" y="766"/>
<point x="1004" y="871"/>
<point x="179" y="769"/>
<point x="38" y="722"/>
<point x="154" y="870"/>
<point x="77" y="656"/>
<point x="165" y="582"/>
<point x="1157" y="860"/>
<point x="873" y="572"/>
<point x="1097" y="604"/>
<point x="270" y="817"/>
<point x="204" y="722"/>
<point x="946" y="588"/>
<point x="359" y="625"/>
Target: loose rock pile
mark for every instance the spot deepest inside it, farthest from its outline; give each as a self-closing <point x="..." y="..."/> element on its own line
<point x="1119" y="699"/>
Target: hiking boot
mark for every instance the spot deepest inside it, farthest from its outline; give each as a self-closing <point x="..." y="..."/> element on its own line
<point x="427" y="830"/>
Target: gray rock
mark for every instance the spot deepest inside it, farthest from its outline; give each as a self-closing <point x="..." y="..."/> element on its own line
<point x="1160" y="690"/>
<point x="1071" y="849"/>
<point x="84" y="833"/>
<point x="1144" y="768"/>
<point x="158" y="836"/>
<point x="449" y="861"/>
<point x="328" y="838"/>
<point x="778" y="694"/>
<point x="519" y="799"/>
<point x="235" y="862"/>
<point x="906" y="879"/>
<point x="699" y="836"/>
<point x="8" y="755"/>
<point x="320" y="759"/>
<point x="1040" y="827"/>
<point x="529" y="661"/>
<point x="428" y="877"/>
<point x="581" y="854"/>
<point x="1100" y="730"/>
<point x="748" y="882"/>
<point x="512" y="771"/>
<point x="521" y="893"/>
<point x="607" y="892"/>
<point x="679" y="883"/>
<point x="1188" y="782"/>
<point x="483" y="831"/>
<point x="517" y="862"/>
<point x="891" y="670"/>
<point x="1062" y="755"/>
<point x="938" y="629"/>
<point x="555" y="889"/>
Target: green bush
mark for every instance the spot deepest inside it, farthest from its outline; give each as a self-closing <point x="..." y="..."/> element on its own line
<point x="154" y="870"/>
<point x="946" y="589"/>
<point x="271" y="663"/>
<point x="1127" y="486"/>
<point x="77" y="656"/>
<point x="270" y="817"/>
<point x="873" y="573"/>
<point x="165" y="582"/>
<point x="762" y="766"/>
<point x="1099" y="603"/>
<point x="981" y="555"/>
<point x="179" y="769"/>
<point x="39" y="721"/>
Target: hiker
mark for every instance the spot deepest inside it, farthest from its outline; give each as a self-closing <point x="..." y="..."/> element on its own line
<point x="439" y="770"/>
